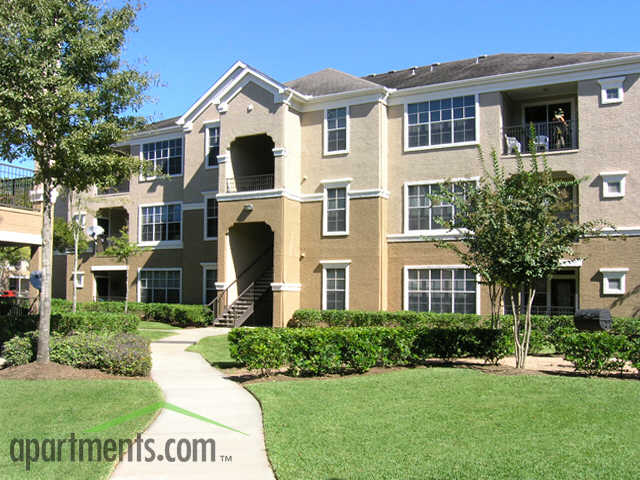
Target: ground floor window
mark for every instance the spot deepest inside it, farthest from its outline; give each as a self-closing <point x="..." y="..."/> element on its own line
<point x="440" y="290"/>
<point x="555" y="295"/>
<point x="210" y="292"/>
<point x="160" y="286"/>
<point x="335" y="285"/>
<point x="20" y="285"/>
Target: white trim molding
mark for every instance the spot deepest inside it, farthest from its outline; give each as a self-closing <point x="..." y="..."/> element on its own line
<point x="286" y="287"/>
<point x="614" y="274"/>
<point x="428" y="236"/>
<point x="611" y="85"/>
<point x="192" y="206"/>
<point x="611" y="178"/>
<point x="16" y="237"/>
<point x="279" y="152"/>
<point x="335" y="264"/>
<point x="571" y="263"/>
<point x="109" y="268"/>
<point x="335" y="184"/>
<point x="221" y="286"/>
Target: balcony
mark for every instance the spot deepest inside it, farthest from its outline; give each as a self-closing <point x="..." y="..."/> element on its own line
<point x="249" y="183"/>
<point x="15" y="185"/>
<point x="547" y="137"/>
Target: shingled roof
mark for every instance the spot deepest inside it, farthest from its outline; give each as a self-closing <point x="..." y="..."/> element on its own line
<point x="329" y="81"/>
<point x="167" y="122"/>
<point x="484" y="67"/>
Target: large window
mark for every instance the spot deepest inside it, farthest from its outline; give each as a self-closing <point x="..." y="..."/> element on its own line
<point x="335" y="284"/>
<point x="336" y="211"/>
<point x="161" y="223"/>
<point x="441" y="122"/>
<point x="159" y="286"/>
<point x="441" y="290"/>
<point x="422" y="213"/>
<point x="212" y="219"/>
<point x="336" y="126"/>
<point x="164" y="157"/>
<point x="213" y="146"/>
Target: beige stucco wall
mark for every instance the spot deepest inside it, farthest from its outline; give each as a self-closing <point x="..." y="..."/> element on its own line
<point x="14" y="220"/>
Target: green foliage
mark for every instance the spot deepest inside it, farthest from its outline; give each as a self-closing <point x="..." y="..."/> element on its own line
<point x="122" y="248"/>
<point x="119" y="354"/>
<point x="356" y="318"/>
<point x="63" y="236"/>
<point x="596" y="352"/>
<point x="66" y="322"/>
<point x="318" y="351"/>
<point x="12" y="325"/>
<point x="113" y="307"/>
<point x="10" y="259"/>
<point x="626" y="326"/>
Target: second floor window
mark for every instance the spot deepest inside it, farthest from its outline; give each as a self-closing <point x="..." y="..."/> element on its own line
<point x="213" y="142"/>
<point x="164" y="157"/>
<point x="212" y="218"/>
<point x="337" y="130"/>
<point x="336" y="210"/>
<point x="423" y="213"/>
<point x="441" y="122"/>
<point x="161" y="223"/>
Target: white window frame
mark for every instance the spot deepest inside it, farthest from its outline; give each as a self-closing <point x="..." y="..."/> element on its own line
<point x="161" y="243"/>
<point x="405" y="286"/>
<point x="207" y="266"/>
<point x="168" y="269"/>
<point x="82" y="216"/>
<point x="428" y="98"/>
<point x="207" y="197"/>
<point x="20" y="279"/>
<point x="614" y="274"/>
<point x="328" y="153"/>
<point x="335" y="264"/>
<point x="140" y="145"/>
<point x="434" y="232"/>
<point x="613" y="177"/>
<point x="609" y="84"/>
<point x="207" y="126"/>
<point x="329" y="184"/>
<point x="78" y="278"/>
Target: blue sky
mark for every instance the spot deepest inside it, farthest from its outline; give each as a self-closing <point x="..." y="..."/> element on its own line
<point x="190" y="43"/>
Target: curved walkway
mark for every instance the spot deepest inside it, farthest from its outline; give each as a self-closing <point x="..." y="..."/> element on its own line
<point x="190" y="383"/>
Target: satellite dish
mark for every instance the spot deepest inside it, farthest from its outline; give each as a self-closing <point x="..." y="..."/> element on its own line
<point x="36" y="279"/>
<point x="95" y="231"/>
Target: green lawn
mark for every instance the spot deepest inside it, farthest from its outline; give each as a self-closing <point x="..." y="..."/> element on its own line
<point x="154" y="330"/>
<point x="154" y="335"/>
<point x="42" y="409"/>
<point x="144" y="325"/>
<point x="215" y="350"/>
<point x="440" y="423"/>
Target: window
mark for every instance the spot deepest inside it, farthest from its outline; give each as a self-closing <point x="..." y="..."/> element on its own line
<point x="614" y="280"/>
<point x="336" y="210"/>
<point x="161" y="223"/>
<point x="441" y="290"/>
<point x="80" y="219"/>
<point x="213" y="146"/>
<point x="164" y="157"/>
<point x="335" y="284"/>
<point x="336" y="130"/>
<point x="210" y="291"/>
<point x="20" y="285"/>
<point x="441" y="122"/>
<point x="421" y="213"/>
<point x="612" y="90"/>
<point x="79" y="279"/>
<point x="159" y="286"/>
<point x="613" y="184"/>
<point x="211" y="227"/>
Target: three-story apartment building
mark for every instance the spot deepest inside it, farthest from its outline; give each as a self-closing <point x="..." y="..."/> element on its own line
<point x="314" y="193"/>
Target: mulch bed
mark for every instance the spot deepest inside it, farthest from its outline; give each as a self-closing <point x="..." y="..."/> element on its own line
<point x="55" y="371"/>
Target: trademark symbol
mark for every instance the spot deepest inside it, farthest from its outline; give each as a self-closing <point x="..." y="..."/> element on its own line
<point x="226" y="458"/>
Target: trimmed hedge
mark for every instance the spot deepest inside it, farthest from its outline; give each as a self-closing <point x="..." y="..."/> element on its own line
<point x="11" y="325"/>
<point x="597" y="352"/>
<point x="318" y="351"/>
<point x="306" y="318"/>
<point x="66" y="322"/>
<point x="118" y="354"/>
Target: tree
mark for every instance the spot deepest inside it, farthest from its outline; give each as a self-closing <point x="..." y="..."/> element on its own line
<point x="514" y="232"/>
<point x="10" y="260"/>
<point x="121" y="248"/>
<point x="70" y="237"/>
<point x="65" y="99"/>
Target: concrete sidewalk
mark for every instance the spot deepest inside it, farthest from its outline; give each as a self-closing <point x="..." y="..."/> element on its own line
<point x="189" y="382"/>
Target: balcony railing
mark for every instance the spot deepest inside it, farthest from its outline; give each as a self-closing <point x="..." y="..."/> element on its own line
<point x="548" y="137"/>
<point x="250" y="183"/>
<point x="15" y="185"/>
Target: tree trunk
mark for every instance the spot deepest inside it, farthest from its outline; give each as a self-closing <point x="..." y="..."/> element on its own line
<point x="75" y="270"/>
<point x="522" y="333"/>
<point x="126" y="287"/>
<point x="45" y="292"/>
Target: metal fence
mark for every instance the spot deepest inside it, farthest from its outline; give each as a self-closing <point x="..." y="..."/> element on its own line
<point x="250" y="183"/>
<point x="548" y="136"/>
<point x="16" y="184"/>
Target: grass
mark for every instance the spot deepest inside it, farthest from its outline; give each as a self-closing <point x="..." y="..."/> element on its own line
<point x="154" y="330"/>
<point x="215" y="350"/>
<point x="144" y="325"/>
<point x="438" y="423"/>
<point x="40" y="409"/>
<point x="154" y="335"/>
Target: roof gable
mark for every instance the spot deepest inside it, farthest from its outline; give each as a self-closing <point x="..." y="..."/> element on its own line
<point x="328" y="81"/>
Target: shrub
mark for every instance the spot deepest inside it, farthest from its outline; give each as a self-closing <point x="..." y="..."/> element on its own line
<point x="119" y="353"/>
<point x="317" y="351"/>
<point x="61" y="305"/>
<point x="12" y="325"/>
<point x="626" y="326"/>
<point x="66" y="322"/>
<point x="177" y="315"/>
<point x="634" y="353"/>
<point x="113" y="307"/>
<point x="596" y="352"/>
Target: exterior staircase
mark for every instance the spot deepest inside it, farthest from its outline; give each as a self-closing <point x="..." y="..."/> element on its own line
<point x="237" y="312"/>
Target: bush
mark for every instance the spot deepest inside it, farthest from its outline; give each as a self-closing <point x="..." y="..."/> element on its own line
<point x="12" y="325"/>
<point x="66" y="322"/>
<point x="634" y="353"/>
<point x="113" y="307"/>
<point x="61" y="305"/>
<point x="596" y="352"/>
<point x="177" y="315"/>
<point x="626" y="326"/>
<point x="318" y="351"/>
<point x="118" y="354"/>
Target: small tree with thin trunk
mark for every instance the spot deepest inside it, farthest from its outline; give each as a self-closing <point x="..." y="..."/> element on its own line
<point x="122" y="249"/>
<point x="513" y="233"/>
<point x="70" y="237"/>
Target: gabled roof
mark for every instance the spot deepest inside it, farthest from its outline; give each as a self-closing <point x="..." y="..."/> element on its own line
<point x="329" y="81"/>
<point x="484" y="67"/>
<point x="167" y="122"/>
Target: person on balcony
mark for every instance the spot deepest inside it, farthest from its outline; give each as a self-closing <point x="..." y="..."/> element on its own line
<point x="561" y="128"/>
